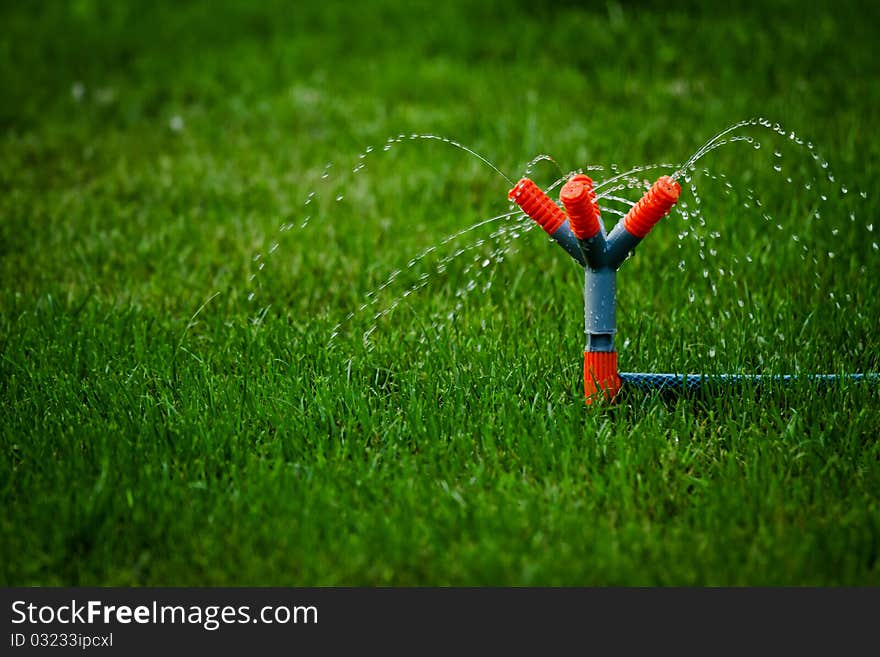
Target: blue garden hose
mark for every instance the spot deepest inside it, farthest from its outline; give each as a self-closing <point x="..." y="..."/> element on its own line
<point x="693" y="382"/>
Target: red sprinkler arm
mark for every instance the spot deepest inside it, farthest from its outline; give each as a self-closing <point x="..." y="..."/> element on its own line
<point x="537" y="205"/>
<point x="652" y="207"/>
<point x="579" y="199"/>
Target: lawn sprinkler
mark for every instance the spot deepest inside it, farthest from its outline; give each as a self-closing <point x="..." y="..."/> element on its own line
<point x="579" y="230"/>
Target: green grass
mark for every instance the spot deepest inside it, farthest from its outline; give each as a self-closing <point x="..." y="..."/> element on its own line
<point x="157" y="427"/>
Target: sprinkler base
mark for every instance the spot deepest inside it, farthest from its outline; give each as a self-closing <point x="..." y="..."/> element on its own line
<point x="600" y="375"/>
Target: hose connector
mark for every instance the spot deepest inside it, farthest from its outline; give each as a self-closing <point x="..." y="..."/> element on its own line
<point x="652" y="207"/>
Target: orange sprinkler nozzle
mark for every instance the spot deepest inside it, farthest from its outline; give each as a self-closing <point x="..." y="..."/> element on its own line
<point x="600" y="375"/>
<point x="535" y="203"/>
<point x="579" y="199"/>
<point x="652" y="207"/>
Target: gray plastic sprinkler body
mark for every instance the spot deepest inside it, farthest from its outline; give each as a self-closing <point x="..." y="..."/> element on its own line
<point x="582" y="235"/>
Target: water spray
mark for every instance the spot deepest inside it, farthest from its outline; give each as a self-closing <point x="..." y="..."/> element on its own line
<point x="579" y="230"/>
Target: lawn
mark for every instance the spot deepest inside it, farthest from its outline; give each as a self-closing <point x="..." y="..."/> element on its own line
<point x="174" y="410"/>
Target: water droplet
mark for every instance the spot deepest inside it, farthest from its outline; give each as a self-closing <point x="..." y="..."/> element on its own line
<point x="340" y="197"/>
<point x="711" y="352"/>
<point x="777" y="153"/>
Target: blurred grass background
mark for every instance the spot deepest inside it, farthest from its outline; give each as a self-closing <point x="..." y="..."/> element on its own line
<point x="154" y="433"/>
